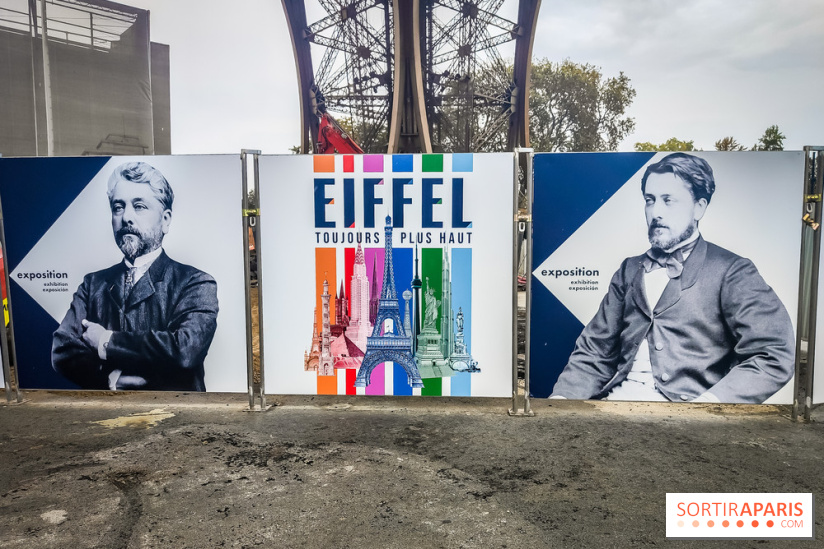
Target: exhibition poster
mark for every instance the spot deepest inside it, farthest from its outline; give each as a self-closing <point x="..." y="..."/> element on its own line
<point x="666" y="276"/>
<point x="126" y="273"/>
<point x="387" y="274"/>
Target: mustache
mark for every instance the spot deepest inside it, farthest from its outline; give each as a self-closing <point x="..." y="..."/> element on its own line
<point x="128" y="229"/>
<point x="655" y="224"/>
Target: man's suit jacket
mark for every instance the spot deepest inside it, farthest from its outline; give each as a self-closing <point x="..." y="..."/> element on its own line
<point x="161" y="334"/>
<point x="718" y="327"/>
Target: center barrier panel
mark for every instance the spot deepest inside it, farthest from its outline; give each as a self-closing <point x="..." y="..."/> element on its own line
<point x="82" y="318"/>
<point x="388" y="274"/>
<point x="684" y="292"/>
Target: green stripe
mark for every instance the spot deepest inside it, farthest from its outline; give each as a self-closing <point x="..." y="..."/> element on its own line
<point x="432" y="386"/>
<point x="432" y="267"/>
<point x="432" y="163"/>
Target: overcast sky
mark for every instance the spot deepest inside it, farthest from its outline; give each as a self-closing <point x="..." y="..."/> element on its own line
<point x="703" y="69"/>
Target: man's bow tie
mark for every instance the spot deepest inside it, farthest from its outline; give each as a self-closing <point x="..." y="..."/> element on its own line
<point x="672" y="262"/>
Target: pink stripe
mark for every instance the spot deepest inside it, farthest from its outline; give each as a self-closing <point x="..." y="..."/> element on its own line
<point x="378" y="382"/>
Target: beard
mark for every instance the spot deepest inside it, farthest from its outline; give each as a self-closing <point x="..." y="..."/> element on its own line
<point x="134" y="243"/>
<point x="660" y="242"/>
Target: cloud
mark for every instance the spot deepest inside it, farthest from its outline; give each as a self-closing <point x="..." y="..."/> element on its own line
<point x="730" y="67"/>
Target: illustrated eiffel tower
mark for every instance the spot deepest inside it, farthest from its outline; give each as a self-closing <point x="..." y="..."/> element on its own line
<point x="391" y="346"/>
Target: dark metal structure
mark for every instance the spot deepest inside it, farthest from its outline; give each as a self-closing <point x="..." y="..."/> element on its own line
<point x="416" y="75"/>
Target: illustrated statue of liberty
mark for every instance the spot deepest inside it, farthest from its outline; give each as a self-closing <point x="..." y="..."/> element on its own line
<point x="431" y="307"/>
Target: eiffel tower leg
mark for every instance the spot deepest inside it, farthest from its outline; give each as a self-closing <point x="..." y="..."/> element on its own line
<point x="365" y="370"/>
<point x="413" y="376"/>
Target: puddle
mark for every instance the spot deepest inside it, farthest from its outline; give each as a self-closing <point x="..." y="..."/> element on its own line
<point x="142" y="420"/>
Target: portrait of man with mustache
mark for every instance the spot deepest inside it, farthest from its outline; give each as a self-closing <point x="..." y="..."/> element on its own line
<point x="687" y="321"/>
<point x="148" y="321"/>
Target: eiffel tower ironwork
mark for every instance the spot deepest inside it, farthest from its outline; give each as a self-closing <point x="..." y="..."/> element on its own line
<point x="416" y="75"/>
<point x="394" y="345"/>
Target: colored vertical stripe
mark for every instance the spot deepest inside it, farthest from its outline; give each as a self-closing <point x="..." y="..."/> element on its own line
<point x="462" y="162"/>
<point x="373" y="163"/>
<point x="400" y="381"/>
<point x="346" y="377"/>
<point x="374" y="268"/>
<point x="404" y="272"/>
<point x="349" y="267"/>
<point x="462" y="301"/>
<point x="374" y="271"/>
<point x="403" y="267"/>
<point x="351" y="376"/>
<point x="432" y="386"/>
<point x="431" y="273"/>
<point x="376" y="382"/>
<point x="328" y="385"/>
<point x="432" y="162"/>
<point x="402" y="162"/>
<point x="325" y="268"/>
<point x="324" y="163"/>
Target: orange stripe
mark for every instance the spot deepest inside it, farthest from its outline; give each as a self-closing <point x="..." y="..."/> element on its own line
<point x="328" y="385"/>
<point x="325" y="268"/>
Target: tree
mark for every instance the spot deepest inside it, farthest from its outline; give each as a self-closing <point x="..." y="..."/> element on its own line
<point x="772" y="140"/>
<point x="671" y="144"/>
<point x="729" y="144"/>
<point x="572" y="107"/>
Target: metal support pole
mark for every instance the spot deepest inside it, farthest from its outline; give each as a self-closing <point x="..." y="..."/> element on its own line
<point x="255" y="223"/>
<point x="515" y="258"/>
<point x="521" y="235"/>
<point x="47" y="82"/>
<point x="808" y="282"/>
<point x="7" y="356"/>
<point x="251" y="218"/>
<point x="527" y="239"/>
<point x="33" y="36"/>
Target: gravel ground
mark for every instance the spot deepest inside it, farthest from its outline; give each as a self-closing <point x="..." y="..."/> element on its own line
<point x="196" y="471"/>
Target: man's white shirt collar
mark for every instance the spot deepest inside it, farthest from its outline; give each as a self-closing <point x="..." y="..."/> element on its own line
<point x="144" y="261"/>
<point x="683" y="243"/>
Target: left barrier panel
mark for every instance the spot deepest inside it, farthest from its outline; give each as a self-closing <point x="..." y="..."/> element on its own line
<point x="125" y="272"/>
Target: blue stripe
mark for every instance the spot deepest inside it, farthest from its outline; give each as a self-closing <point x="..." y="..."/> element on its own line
<point x="403" y="267"/>
<point x="462" y="298"/>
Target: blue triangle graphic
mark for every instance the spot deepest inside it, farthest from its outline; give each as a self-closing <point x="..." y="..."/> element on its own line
<point x="569" y="188"/>
<point x="35" y="192"/>
<point x="33" y="329"/>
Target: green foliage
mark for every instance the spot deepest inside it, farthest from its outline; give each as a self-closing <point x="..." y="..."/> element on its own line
<point x="772" y="140"/>
<point x="729" y="144"/>
<point x="572" y="107"/>
<point x="473" y="112"/>
<point x="671" y="144"/>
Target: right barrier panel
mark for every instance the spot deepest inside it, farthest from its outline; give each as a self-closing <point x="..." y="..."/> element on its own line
<point x="666" y="276"/>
